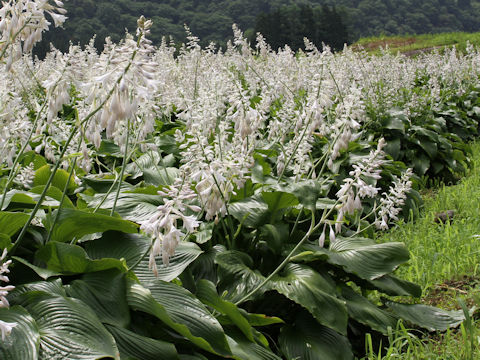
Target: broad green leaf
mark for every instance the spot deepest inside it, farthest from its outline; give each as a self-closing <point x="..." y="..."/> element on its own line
<point x="24" y="340"/>
<point x="251" y="212"/>
<point x="236" y="276"/>
<point x="54" y="193"/>
<point x="421" y="164"/>
<point x="308" y="340"/>
<point x="306" y="191"/>
<point x="279" y="200"/>
<point x="154" y="170"/>
<point x="311" y="290"/>
<point x="363" y="311"/>
<point x="207" y="293"/>
<point x="244" y="349"/>
<point x="55" y="287"/>
<point x="73" y="223"/>
<point x="131" y="206"/>
<point x="11" y="222"/>
<point x="394" y="286"/>
<point x="182" y="312"/>
<point x="72" y="259"/>
<point x="118" y="245"/>
<point x="70" y="330"/>
<point x="276" y="236"/>
<point x="360" y="256"/>
<point x="105" y="293"/>
<point x="204" y="232"/>
<point x="135" y="346"/>
<point x="428" y="317"/>
<point x="109" y="148"/>
<point x="42" y="272"/>
<point x="60" y="178"/>
<point x="185" y="254"/>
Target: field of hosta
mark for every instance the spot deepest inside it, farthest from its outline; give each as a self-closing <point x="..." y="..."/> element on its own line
<point x="189" y="203"/>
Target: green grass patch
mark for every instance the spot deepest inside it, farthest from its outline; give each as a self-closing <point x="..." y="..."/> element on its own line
<point x="445" y="261"/>
<point x="414" y="44"/>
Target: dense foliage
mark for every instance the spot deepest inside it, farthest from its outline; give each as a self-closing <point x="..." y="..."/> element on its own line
<point x="187" y="203"/>
<point x="212" y="20"/>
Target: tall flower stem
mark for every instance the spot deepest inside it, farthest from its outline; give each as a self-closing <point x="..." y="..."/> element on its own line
<point x="122" y="171"/>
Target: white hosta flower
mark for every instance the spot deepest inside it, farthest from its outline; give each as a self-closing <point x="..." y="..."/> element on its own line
<point x="6" y="328"/>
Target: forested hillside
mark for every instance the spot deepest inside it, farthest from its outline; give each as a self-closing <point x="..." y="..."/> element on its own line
<point x="211" y="20"/>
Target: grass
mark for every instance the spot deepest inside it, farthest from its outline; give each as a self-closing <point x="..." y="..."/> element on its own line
<point x="413" y="44"/>
<point x="445" y="262"/>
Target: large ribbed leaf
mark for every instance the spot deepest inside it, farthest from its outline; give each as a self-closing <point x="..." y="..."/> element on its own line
<point x="207" y="293"/>
<point x="309" y="289"/>
<point x="11" y="222"/>
<point x="60" y="179"/>
<point x="54" y="287"/>
<point x="72" y="259"/>
<point x="182" y="312"/>
<point x="135" y="346"/>
<point x="236" y="276"/>
<point x="251" y="212"/>
<point x="185" y="254"/>
<point x="308" y="340"/>
<point x="135" y="207"/>
<point x="70" y="330"/>
<point x="363" y="311"/>
<point x="428" y="317"/>
<point x="155" y="170"/>
<point x="244" y="349"/>
<point x="73" y="223"/>
<point x="24" y="341"/>
<point x="394" y="286"/>
<point x="105" y="293"/>
<point x="362" y="257"/>
<point x="118" y="245"/>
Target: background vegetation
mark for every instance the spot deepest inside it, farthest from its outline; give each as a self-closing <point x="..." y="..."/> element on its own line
<point x="212" y="20"/>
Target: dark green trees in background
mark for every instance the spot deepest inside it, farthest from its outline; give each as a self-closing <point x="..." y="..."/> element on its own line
<point x="330" y="21"/>
<point x="290" y="25"/>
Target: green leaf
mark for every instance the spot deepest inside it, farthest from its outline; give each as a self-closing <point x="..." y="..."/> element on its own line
<point x="428" y="317"/>
<point x="135" y="346"/>
<point x="54" y="193"/>
<point x="135" y="207"/>
<point x="311" y="290"/>
<point x="363" y="311"/>
<point x="18" y="295"/>
<point x="185" y="254"/>
<point x="394" y="286"/>
<point x="73" y="223"/>
<point x="359" y="256"/>
<point x="182" y="312"/>
<point x="42" y="272"/>
<point x="308" y="340"/>
<point x="24" y="340"/>
<point x="60" y="178"/>
<point x="118" y="245"/>
<point x="11" y="222"/>
<point x="105" y="293"/>
<point x="154" y="170"/>
<point x="279" y="200"/>
<point x="72" y="259"/>
<point x="306" y="191"/>
<point x="244" y="349"/>
<point x="70" y="330"/>
<point x="421" y="164"/>
<point x="252" y="211"/>
<point x="207" y="293"/>
<point x="236" y="276"/>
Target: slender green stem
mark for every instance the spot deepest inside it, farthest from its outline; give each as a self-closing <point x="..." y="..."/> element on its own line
<point x="122" y="171"/>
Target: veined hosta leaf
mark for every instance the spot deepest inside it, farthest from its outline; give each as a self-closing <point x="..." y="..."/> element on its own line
<point x="11" y="222"/>
<point x="155" y="170"/>
<point x="135" y="207"/>
<point x="182" y="312"/>
<point x="72" y="259"/>
<point x="25" y="199"/>
<point x="105" y="293"/>
<point x="309" y="289"/>
<point x="362" y="257"/>
<point x="69" y="329"/>
<point x="251" y="212"/>
<point x="42" y="272"/>
<point x="76" y="223"/>
<point x="60" y="178"/>
<point x="207" y="293"/>
<point x="50" y="288"/>
<point x="185" y="254"/>
<point x="134" y="346"/>
<point x="428" y="317"/>
<point x="308" y="340"/>
<point x="54" y="193"/>
<point x="118" y="245"/>
<point x="244" y="349"/>
<point x="363" y="311"/>
<point x="394" y="286"/>
<point x="236" y="276"/>
<point x="24" y="340"/>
